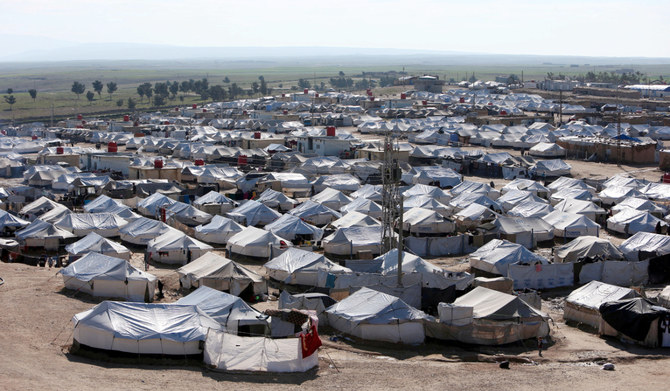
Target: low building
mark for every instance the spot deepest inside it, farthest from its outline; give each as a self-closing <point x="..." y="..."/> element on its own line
<point x="651" y="90"/>
<point x="629" y="151"/>
<point x="428" y="83"/>
<point x="323" y="145"/>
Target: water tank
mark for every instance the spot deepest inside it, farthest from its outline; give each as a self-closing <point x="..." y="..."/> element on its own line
<point x="112" y="147"/>
<point x="199" y="162"/>
<point x="283" y="95"/>
<point x="136" y="123"/>
<point x="242" y="160"/>
<point x="158" y="163"/>
<point x="403" y="96"/>
<point x="257" y="135"/>
<point x="60" y="151"/>
<point x="166" y="123"/>
<point x="305" y="91"/>
<point x="80" y="117"/>
<point x="204" y="110"/>
<point x="503" y="112"/>
<point x="83" y="122"/>
<point x="424" y="102"/>
<point x="285" y="112"/>
<point x="330" y="131"/>
<point x="126" y="118"/>
<point x="372" y="99"/>
<point x="316" y="94"/>
<point x="34" y="137"/>
<point x="461" y="100"/>
<point x="195" y="106"/>
<point x="176" y="109"/>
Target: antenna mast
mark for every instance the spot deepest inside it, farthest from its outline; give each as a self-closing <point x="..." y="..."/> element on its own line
<point x="392" y="202"/>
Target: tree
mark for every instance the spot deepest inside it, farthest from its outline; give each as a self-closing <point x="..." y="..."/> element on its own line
<point x="97" y="87"/>
<point x="111" y="89"/>
<point x="10" y="100"/>
<point x="217" y="93"/>
<point x="304" y="83"/>
<point x="78" y="88"/>
<point x="149" y="92"/>
<point x="472" y="78"/>
<point x="174" y="89"/>
<point x="10" y="91"/>
<point x="90" y="95"/>
<point x="226" y="80"/>
<point x="263" y="87"/>
<point x="184" y="87"/>
<point x="119" y="102"/>
<point x="159" y="100"/>
<point x="254" y="88"/>
<point x="131" y="103"/>
<point x="161" y="89"/>
<point x="143" y="90"/>
<point x="33" y="94"/>
<point x="341" y="74"/>
<point x="234" y="91"/>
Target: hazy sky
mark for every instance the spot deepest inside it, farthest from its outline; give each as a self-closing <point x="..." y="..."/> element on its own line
<point x="564" y="27"/>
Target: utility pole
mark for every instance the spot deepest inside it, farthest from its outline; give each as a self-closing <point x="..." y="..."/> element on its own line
<point x="392" y="202"/>
<point x="560" y="107"/>
<point x="618" y="128"/>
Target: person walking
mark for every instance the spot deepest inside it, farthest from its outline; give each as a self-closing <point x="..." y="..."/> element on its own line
<point x="540" y="342"/>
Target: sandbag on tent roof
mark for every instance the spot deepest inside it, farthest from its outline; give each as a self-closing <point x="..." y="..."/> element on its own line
<point x="426" y="221"/>
<point x="631" y="221"/>
<point x="11" y="223"/>
<point x="141" y="328"/>
<point x="315" y="214"/>
<point x="580" y="207"/>
<point x="342" y="182"/>
<point x="105" y="276"/>
<point x="151" y="205"/>
<point x="97" y="244"/>
<point x="228" y="310"/>
<point x="331" y="198"/>
<point x="547" y="150"/>
<point x="639" y="204"/>
<point x="220" y="273"/>
<point x="291" y="228"/>
<point x="300" y="267"/>
<point x="426" y="190"/>
<point x="354" y="219"/>
<point x="143" y="230"/>
<point x="37" y="208"/>
<point x="570" y="225"/>
<point x="587" y="247"/>
<point x="187" y="214"/>
<point x="276" y="200"/>
<point x="215" y="198"/>
<point x="352" y="240"/>
<point x="526" y="185"/>
<point x="637" y="319"/>
<point x="530" y="209"/>
<point x="496" y="255"/>
<point x="376" y="316"/>
<point x="363" y="205"/>
<point x="487" y="317"/>
<point x="256" y="242"/>
<point x="583" y="304"/>
<point x="81" y="224"/>
<point x="253" y="213"/>
<point x="645" y="245"/>
<point x="219" y="230"/>
<point x="176" y="247"/>
<point x="475" y="187"/>
<point x="431" y="276"/>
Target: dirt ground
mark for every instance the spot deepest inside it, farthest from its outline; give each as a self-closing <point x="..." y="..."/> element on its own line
<point x="35" y="334"/>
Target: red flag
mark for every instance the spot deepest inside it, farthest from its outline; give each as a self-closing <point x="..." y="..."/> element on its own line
<point x="310" y="342"/>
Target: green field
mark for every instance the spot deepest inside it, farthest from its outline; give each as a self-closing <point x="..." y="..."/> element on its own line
<point x="53" y="81"/>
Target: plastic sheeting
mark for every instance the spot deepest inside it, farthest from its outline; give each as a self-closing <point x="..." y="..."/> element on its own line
<point x="644" y="245"/>
<point x="616" y="272"/>
<point x="541" y="276"/>
<point x="583" y="303"/>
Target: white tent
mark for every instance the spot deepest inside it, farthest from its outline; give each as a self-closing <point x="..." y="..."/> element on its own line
<point x="550" y="168"/>
<point x="292" y="228"/>
<point x="569" y="225"/>
<point x="151" y="205"/>
<point x="312" y="301"/>
<point x="253" y="213"/>
<point x="176" y="247"/>
<point x="315" y="214"/>
<point x="587" y="247"/>
<point x="580" y="207"/>
<point x="488" y="317"/>
<point x="219" y="230"/>
<point x="300" y="267"/>
<point x="256" y="242"/>
<point x="426" y="221"/>
<point x="473" y="216"/>
<point x="524" y="230"/>
<point x="96" y="243"/>
<point x="143" y="230"/>
<point x="230" y="311"/>
<point x="331" y="198"/>
<point x="530" y="209"/>
<point x="645" y="245"/>
<point x="639" y="204"/>
<point x="571" y="193"/>
<point x="368" y="191"/>
<point x="276" y="200"/>
<point x="570" y="183"/>
<point x="431" y="275"/>
<point x="513" y="198"/>
<point x="141" y="328"/>
<point x="464" y="200"/>
<point x="342" y="182"/>
<point x="354" y="219"/>
<point x="365" y="206"/>
<point x="429" y="191"/>
<point x="475" y="188"/>
<point x="631" y="221"/>
<point x="214" y="203"/>
<point x="102" y="204"/>
<point x="547" y="150"/>
<point x="615" y="194"/>
<point x="104" y="276"/>
<point x="37" y="208"/>
<point x="496" y="255"/>
<point x="11" y="223"/>
<point x="220" y="273"/>
<point x="187" y="214"/>
<point x="55" y="214"/>
<point x="376" y="316"/>
<point x="427" y="202"/>
<point x="583" y="304"/>
<point x="42" y="234"/>
<point x="81" y="224"/>
<point x="350" y="241"/>
<point x="526" y="185"/>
